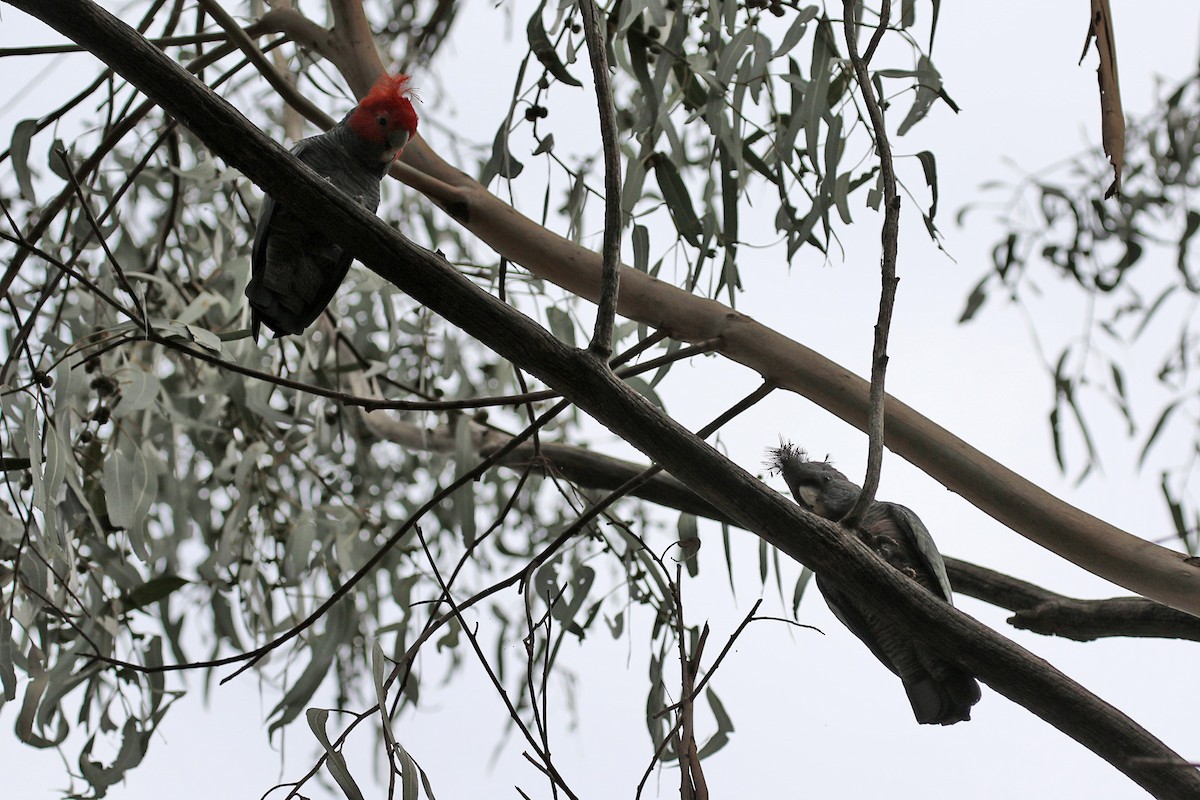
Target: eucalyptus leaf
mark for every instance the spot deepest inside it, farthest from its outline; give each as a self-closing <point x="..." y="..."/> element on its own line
<point x="139" y="389"/>
<point x="23" y="133"/>
<point x="561" y="325"/>
<point x="678" y="199"/>
<point x="540" y="46"/>
<point x="335" y="762"/>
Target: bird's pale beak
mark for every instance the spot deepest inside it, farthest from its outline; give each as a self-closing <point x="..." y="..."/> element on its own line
<point x="396" y="142"/>
<point x="810" y="496"/>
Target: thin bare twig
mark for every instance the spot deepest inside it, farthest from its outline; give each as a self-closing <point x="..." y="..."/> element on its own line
<point x="99" y="234"/>
<point x="692" y="785"/>
<point x="717" y="663"/>
<point x="163" y="41"/>
<point x="891" y="229"/>
<point x="63" y="269"/>
<point x="432" y="625"/>
<point x="606" y="311"/>
<point x="377" y="404"/>
<point x="265" y="68"/>
<point x="544" y="754"/>
<point x="540" y="716"/>
<point x="434" y="621"/>
<point x="654" y="757"/>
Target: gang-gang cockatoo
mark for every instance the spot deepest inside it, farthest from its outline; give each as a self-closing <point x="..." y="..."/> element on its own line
<point x="295" y="268"/>
<point x="939" y="691"/>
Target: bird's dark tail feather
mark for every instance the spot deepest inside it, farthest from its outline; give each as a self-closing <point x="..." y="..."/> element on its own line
<point x="942" y="702"/>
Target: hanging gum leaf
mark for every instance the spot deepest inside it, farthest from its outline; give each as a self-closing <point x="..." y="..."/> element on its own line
<point x="22" y="134"/>
<point x="539" y="44"/>
<point x="677" y="198"/>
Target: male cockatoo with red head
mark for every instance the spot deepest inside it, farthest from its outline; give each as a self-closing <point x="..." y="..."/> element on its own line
<point x="295" y="268"/>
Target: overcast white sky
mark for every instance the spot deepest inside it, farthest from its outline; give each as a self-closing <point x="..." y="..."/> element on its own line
<point x="815" y="715"/>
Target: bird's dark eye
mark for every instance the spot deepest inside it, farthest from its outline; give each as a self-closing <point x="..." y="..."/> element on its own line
<point x="382" y="119"/>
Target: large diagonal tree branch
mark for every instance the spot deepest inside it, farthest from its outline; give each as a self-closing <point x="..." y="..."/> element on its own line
<point x="428" y="278"/>
<point x="1139" y="565"/>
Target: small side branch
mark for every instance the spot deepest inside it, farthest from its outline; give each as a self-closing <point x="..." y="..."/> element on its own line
<point x="278" y="82"/>
<point x="1052" y="614"/>
<point x="891" y="231"/>
<point x="601" y="345"/>
<point x="692" y="785"/>
<point x="543" y="761"/>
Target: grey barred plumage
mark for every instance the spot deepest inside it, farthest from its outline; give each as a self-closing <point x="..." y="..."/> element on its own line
<point x="939" y="691"/>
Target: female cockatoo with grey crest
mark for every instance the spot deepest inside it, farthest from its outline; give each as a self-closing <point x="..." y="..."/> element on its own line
<point x="939" y="691"/>
<point x="295" y="269"/>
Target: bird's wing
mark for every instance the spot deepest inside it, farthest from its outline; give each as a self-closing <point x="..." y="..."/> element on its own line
<point x="331" y="279"/>
<point x="290" y="266"/>
<point x="257" y="291"/>
<point x="334" y="274"/>
<point x="258" y="251"/>
<point x="258" y="258"/>
<point x="266" y="213"/>
<point x="918" y="535"/>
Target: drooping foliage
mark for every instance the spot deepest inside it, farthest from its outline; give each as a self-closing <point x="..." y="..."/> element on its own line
<point x="159" y="462"/>
<point x="1133" y="261"/>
